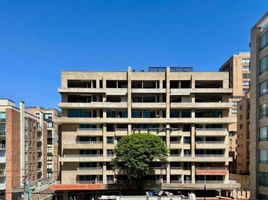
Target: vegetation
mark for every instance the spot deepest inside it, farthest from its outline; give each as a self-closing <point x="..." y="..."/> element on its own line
<point x="135" y="153"/>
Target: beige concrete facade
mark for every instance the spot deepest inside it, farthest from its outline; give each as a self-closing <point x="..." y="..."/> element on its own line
<point x="189" y="110"/>
<point x="239" y="80"/>
<point x="259" y="110"/>
<point x="49" y="115"/>
<point x="22" y="149"/>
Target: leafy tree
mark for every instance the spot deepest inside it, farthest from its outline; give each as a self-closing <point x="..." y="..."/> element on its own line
<point x="135" y="153"/>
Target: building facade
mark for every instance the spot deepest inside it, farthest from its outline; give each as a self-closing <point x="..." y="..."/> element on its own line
<point x="49" y="116"/>
<point x="188" y="110"/>
<point x="243" y="135"/>
<point x="238" y="67"/>
<point x="23" y="149"/>
<point x="259" y="110"/>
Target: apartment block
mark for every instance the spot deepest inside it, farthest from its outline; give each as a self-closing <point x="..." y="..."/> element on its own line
<point x="23" y="147"/>
<point x="188" y="110"/>
<point x="259" y="110"/>
<point x="238" y="67"/>
<point x="49" y="116"/>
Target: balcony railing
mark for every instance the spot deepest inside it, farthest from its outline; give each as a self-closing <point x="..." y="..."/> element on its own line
<point x="209" y="155"/>
<point x="2" y="146"/>
<point x="83" y="155"/>
<point x="211" y="168"/>
<point x="210" y="129"/>
<point x="209" y="142"/>
<point x="210" y="181"/>
<point x="89" y="168"/>
<point x="88" y="142"/>
<point x="89" y="129"/>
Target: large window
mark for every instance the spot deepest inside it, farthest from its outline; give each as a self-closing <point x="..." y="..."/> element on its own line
<point x="263" y="135"/>
<point x="264" y="156"/>
<point x="264" y="40"/>
<point x="263" y="179"/>
<point x="264" y="88"/>
<point x="81" y="113"/>
<point x="263" y="64"/>
<point x="264" y="110"/>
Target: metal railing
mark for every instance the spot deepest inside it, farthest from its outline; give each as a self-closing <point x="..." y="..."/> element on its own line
<point x="211" y="168"/>
<point x="210" y="181"/>
<point x="209" y="155"/>
<point x="209" y="142"/>
<point x="83" y="155"/>
<point x="89" y="168"/>
<point x="210" y="129"/>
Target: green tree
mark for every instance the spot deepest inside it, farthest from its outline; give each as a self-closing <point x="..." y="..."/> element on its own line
<point x="135" y="153"/>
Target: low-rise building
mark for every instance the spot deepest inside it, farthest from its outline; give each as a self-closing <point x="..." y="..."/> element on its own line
<point x="23" y="150"/>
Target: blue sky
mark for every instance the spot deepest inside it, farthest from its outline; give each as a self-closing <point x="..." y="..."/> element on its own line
<point x="39" y="39"/>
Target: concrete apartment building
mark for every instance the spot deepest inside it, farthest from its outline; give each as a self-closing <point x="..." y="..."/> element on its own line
<point x="49" y="116"/>
<point x="259" y="110"/>
<point x="189" y="110"/>
<point x="238" y="67"/>
<point x="23" y="147"/>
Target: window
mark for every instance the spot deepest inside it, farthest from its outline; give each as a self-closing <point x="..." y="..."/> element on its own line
<point x="2" y="117"/>
<point x="110" y="140"/>
<point x="263" y="40"/>
<point x="263" y="196"/>
<point x="264" y="88"/>
<point x="246" y="75"/>
<point x="263" y="65"/>
<point x="81" y="113"/>
<point x="263" y="179"/>
<point x="246" y="68"/>
<point x="246" y="83"/>
<point x="245" y="60"/>
<point x="2" y="129"/>
<point x="263" y="110"/>
<point x="263" y="134"/>
<point x="264" y="156"/>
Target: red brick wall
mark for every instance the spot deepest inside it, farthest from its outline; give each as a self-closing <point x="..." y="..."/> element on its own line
<point x="12" y="151"/>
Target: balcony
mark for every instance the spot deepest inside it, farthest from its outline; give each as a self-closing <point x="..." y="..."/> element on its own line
<point x="181" y="91"/>
<point x="93" y="105"/>
<point x="88" y="131"/>
<point x="85" y="158"/>
<point x="121" y="131"/>
<point x="211" y="132"/>
<point x="212" y="90"/>
<point x="81" y="90"/>
<point x="206" y="105"/>
<point x="211" y="145"/>
<point x="83" y="145"/>
<point x="211" y="171"/>
<point x="148" y="90"/>
<point x="149" y="105"/>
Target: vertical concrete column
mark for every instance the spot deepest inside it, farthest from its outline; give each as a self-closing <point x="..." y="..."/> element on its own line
<point x="193" y="140"/>
<point x="104" y="140"/>
<point x="192" y="82"/>
<point x="182" y="178"/>
<point x="104" y="173"/>
<point x="193" y="172"/>
<point x="97" y="83"/>
<point x="168" y="147"/>
<point x="129" y="100"/>
<point x="226" y="178"/>
<point x="167" y="92"/>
